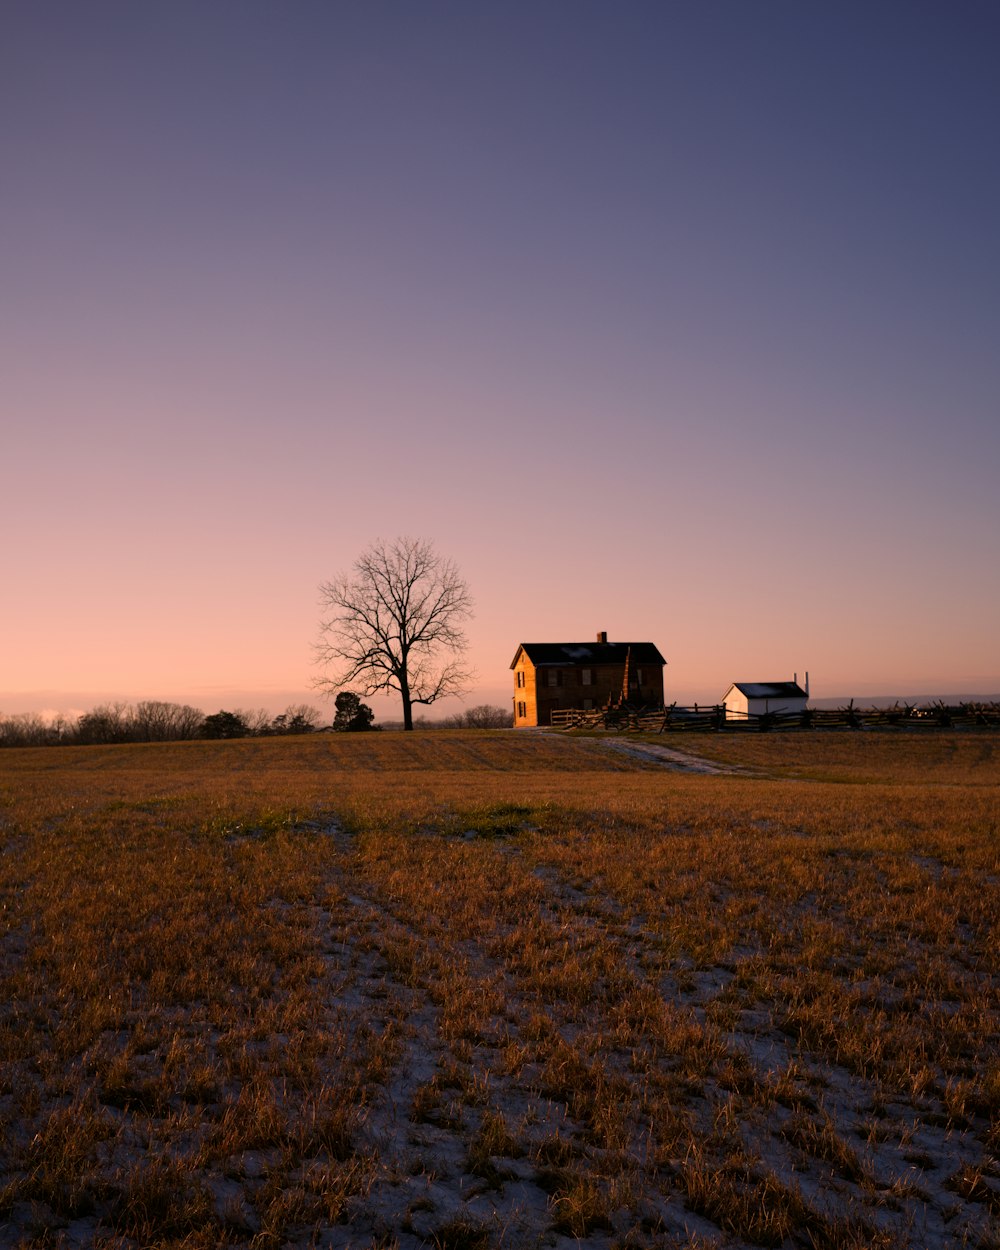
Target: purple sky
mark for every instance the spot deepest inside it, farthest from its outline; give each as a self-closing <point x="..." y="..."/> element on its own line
<point x="679" y="321"/>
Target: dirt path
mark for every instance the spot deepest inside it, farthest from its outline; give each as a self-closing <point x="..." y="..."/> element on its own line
<point x="670" y="757"/>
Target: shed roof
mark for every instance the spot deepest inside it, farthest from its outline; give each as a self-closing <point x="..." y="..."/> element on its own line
<point x="588" y="653"/>
<point x="769" y="689"/>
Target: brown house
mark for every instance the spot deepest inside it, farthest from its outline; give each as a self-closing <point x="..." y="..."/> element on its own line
<point x="550" y="675"/>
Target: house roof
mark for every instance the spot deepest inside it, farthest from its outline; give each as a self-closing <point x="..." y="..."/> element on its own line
<point x="769" y="689"/>
<point x="588" y="653"/>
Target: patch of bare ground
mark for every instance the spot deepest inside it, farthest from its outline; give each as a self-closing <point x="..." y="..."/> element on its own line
<point x="671" y="757"/>
<point x="492" y="1005"/>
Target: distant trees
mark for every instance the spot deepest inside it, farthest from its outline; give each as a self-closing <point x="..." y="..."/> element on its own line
<point x="352" y="716"/>
<point x="152" y="721"/>
<point x="142" y="722"/>
<point x="258" y="720"/>
<point x="164" y="722"/>
<point x="298" y="718"/>
<point x="225" y="725"/>
<point x="485" y="716"/>
<point x="395" y="623"/>
<point x="28" y="729"/>
<point x="107" y="723"/>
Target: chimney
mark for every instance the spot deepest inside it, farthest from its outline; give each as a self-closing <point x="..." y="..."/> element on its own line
<point x="807" y="683"/>
<point x="602" y="636"/>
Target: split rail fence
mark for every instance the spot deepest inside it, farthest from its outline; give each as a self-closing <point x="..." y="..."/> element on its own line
<point x="714" y="717"/>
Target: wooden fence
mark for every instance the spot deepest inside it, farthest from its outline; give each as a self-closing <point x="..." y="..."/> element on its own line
<point x="713" y="716"/>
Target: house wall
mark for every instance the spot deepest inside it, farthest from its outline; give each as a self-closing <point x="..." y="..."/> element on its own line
<point x="611" y="676"/>
<point x="525" y="695"/>
<point x="758" y="707"/>
<point x="738" y="706"/>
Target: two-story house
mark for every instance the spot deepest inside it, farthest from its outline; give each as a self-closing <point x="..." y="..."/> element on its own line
<point x="550" y="675"/>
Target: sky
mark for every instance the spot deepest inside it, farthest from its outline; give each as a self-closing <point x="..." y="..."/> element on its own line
<point x="674" y="320"/>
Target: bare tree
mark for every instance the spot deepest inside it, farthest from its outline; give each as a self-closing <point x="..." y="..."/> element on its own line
<point x="28" y="729"/>
<point x="392" y="623"/>
<point x="107" y="723"/>
<point x="257" y="719"/>
<point x="302" y="717"/>
<point x="297" y="718"/>
<point x="164" y="722"/>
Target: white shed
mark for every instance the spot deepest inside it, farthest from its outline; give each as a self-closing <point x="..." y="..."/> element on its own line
<point x="755" y="698"/>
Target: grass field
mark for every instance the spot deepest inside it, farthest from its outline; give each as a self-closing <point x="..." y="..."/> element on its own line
<point x="472" y="990"/>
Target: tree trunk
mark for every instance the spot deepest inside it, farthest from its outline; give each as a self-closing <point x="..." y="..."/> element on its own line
<point x="404" y="691"/>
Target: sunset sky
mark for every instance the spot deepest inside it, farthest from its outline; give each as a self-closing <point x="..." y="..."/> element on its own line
<point x="675" y="320"/>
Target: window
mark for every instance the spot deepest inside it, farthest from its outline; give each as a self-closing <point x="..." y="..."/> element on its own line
<point x="522" y="711"/>
<point x="586" y="676"/>
<point x="638" y="676"/>
<point x="588" y="704"/>
<point x="553" y="677"/>
<point x="519" y="679"/>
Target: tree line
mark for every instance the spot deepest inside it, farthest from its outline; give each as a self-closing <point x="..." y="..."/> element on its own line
<point x="153" y="721"/>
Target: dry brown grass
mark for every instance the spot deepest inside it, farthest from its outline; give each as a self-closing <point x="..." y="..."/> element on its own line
<point x="909" y="756"/>
<point x="474" y="989"/>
